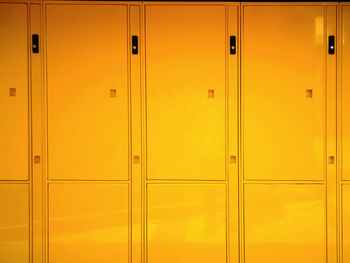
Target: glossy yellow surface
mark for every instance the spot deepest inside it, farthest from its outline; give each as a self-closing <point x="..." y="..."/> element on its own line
<point x="284" y="135"/>
<point x="88" y="223"/>
<point x="182" y="153"/>
<point x="346" y="92"/>
<point x="185" y="60"/>
<point x="283" y="57"/>
<point x="186" y="223"/>
<point x="14" y="109"/>
<point x="284" y="223"/>
<point x="86" y="59"/>
<point x="14" y="223"/>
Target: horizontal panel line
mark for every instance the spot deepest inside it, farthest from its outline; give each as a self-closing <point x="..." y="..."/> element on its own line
<point x="87" y="181"/>
<point x="15" y="181"/>
<point x="186" y="181"/>
<point x="284" y="182"/>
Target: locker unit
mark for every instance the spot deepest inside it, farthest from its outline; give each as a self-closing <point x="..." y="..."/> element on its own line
<point x="88" y="133"/>
<point x="283" y="116"/>
<point x="14" y="138"/>
<point x="185" y="105"/>
<point x="180" y="132"/>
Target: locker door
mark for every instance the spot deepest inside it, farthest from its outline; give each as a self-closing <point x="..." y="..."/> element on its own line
<point x="87" y="92"/>
<point x="14" y="92"/>
<point x="185" y="117"/>
<point x="14" y="148"/>
<point x="14" y="223"/>
<point x="283" y="133"/>
<point x="185" y="90"/>
<point x="88" y="133"/>
<point x="283" y="92"/>
<point x="345" y="131"/>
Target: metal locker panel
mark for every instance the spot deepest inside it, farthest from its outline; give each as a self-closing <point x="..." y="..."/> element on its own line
<point x="346" y="223"/>
<point x="345" y="92"/>
<point x="284" y="223"/>
<point x="88" y="129"/>
<point x="186" y="223"/>
<point x="88" y="223"/>
<point x="283" y="87"/>
<point x="14" y="92"/>
<point x="185" y="92"/>
<point x="14" y="223"/>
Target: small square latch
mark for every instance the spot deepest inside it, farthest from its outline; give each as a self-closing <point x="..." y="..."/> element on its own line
<point x="309" y="93"/>
<point x="233" y="159"/>
<point x="36" y="159"/>
<point x="112" y="93"/>
<point x="331" y="160"/>
<point x="136" y="159"/>
<point x="12" y="92"/>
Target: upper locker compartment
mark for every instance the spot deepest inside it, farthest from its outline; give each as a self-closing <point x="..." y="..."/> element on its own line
<point x="283" y="87"/>
<point x="88" y="111"/>
<point x="14" y="92"/>
<point x="185" y="92"/>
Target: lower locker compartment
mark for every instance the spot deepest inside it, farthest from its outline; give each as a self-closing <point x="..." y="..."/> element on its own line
<point x="88" y="223"/>
<point x="186" y="223"/>
<point x="346" y="223"/>
<point x="14" y="223"/>
<point x="284" y="223"/>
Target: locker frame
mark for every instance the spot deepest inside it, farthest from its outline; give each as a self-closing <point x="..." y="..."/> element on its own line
<point x="330" y="182"/>
<point x="341" y="182"/>
<point x="232" y="86"/>
<point x="37" y="82"/>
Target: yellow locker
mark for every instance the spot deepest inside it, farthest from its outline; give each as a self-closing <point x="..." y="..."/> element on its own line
<point x="14" y="92"/>
<point x="183" y="152"/>
<point x="186" y="223"/>
<point x="185" y="91"/>
<point x="14" y="223"/>
<point x="185" y="113"/>
<point x="283" y="118"/>
<point x="14" y="138"/>
<point x="88" y="130"/>
<point x="87" y="87"/>
<point x="88" y="223"/>
<point x="284" y="223"/>
<point x="283" y="87"/>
